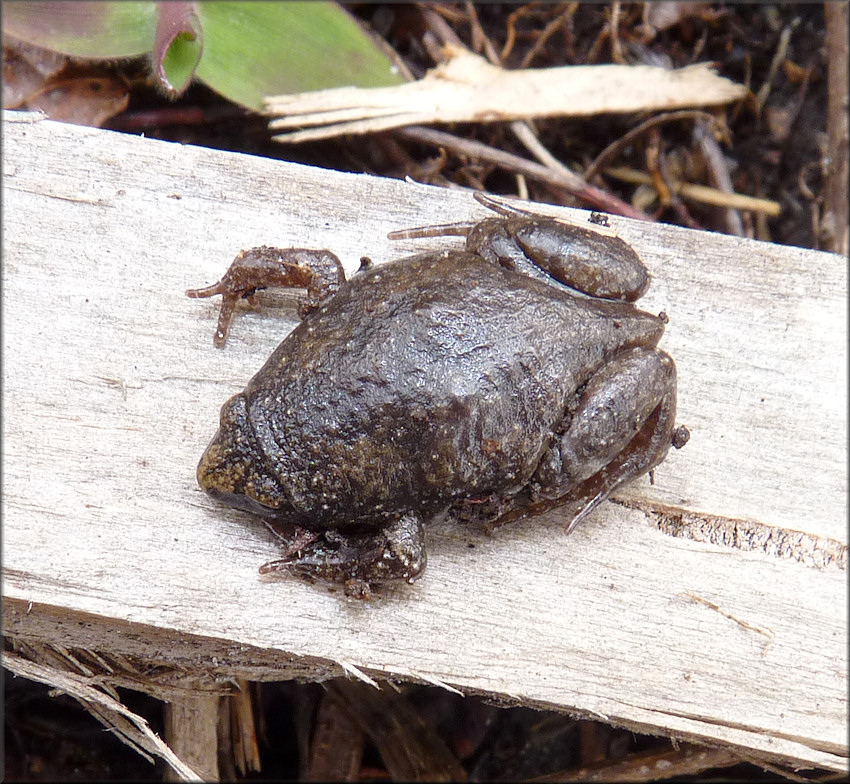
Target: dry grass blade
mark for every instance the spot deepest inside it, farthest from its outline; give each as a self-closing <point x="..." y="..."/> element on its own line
<point x="703" y="193"/>
<point x="128" y="726"/>
<point x="243" y="730"/>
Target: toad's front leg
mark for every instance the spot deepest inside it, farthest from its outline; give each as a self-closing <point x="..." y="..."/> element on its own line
<point x="621" y="427"/>
<point x="360" y="560"/>
<point x="318" y="271"/>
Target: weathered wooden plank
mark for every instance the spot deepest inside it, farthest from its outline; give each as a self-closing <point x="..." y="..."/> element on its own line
<point x="112" y="389"/>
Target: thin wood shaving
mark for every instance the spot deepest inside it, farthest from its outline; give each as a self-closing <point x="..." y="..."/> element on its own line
<point x="358" y="673"/>
<point x="467" y="88"/>
<point x="434" y="681"/>
<point x="128" y="726"/>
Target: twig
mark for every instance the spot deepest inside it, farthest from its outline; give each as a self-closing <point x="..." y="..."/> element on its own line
<point x="703" y="194"/>
<point x="778" y="57"/>
<point x="614" y="148"/>
<point x="652" y="157"/>
<point x="834" y="226"/>
<point x="480" y="41"/>
<point x="544" y="36"/>
<point x="718" y="173"/>
<point x="616" y="49"/>
<point x="521" y="187"/>
<point x="574" y="185"/>
<point x="522" y="128"/>
<point x="523" y="132"/>
<point x="441" y="28"/>
<point x="673" y="195"/>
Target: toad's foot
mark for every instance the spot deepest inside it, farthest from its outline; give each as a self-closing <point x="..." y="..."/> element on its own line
<point x="359" y="560"/>
<point x="318" y="271"/>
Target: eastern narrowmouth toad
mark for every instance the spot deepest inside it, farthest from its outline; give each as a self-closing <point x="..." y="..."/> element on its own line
<point x="472" y="382"/>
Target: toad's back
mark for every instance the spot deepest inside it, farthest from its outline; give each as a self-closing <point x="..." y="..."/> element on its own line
<point x="427" y="380"/>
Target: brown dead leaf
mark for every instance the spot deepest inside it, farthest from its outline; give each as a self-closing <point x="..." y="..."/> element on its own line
<point x="25" y="69"/>
<point x="43" y="80"/>
<point x="83" y="99"/>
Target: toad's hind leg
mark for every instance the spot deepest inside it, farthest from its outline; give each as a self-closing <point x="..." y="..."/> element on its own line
<point x="359" y="560"/>
<point x="318" y="271"/>
<point x="622" y="428"/>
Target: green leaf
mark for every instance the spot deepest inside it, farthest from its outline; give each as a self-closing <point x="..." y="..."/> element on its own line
<point x="83" y="29"/>
<point x="178" y="65"/>
<point x="178" y="46"/>
<point x="255" y="49"/>
<point x="243" y="50"/>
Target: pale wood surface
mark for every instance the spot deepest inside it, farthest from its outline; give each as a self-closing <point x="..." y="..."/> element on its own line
<point x="112" y="389"/>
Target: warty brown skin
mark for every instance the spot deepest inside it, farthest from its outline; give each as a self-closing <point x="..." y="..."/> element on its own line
<point x="446" y="382"/>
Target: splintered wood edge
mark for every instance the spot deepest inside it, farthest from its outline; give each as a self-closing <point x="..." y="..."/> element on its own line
<point x="190" y="665"/>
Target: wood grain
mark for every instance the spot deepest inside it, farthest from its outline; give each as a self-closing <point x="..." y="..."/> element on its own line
<point x="709" y="606"/>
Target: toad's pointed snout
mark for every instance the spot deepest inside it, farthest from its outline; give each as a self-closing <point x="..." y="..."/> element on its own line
<point x="231" y="468"/>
